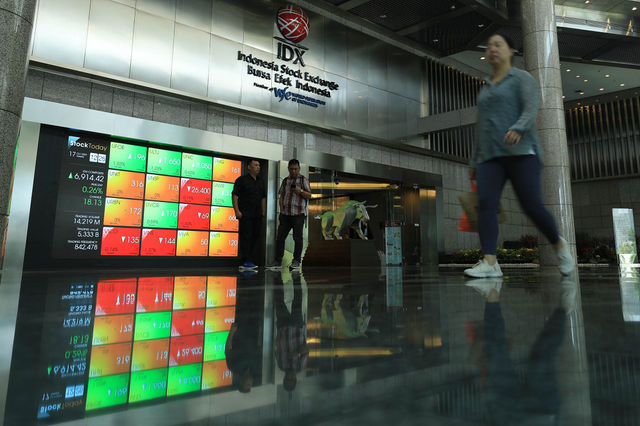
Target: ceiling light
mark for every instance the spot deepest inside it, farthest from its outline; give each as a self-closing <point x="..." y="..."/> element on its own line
<point x="634" y="8"/>
<point x="578" y="76"/>
<point x="607" y="75"/>
<point x="568" y="69"/>
<point x="482" y="58"/>
<point x="453" y="6"/>
<point x="383" y="16"/>
<point x="480" y="25"/>
<point x="586" y="2"/>
<point x="585" y="80"/>
<point x="601" y="89"/>
<point x="352" y="185"/>
<point x="435" y="40"/>
<point x="621" y="84"/>
<point x="563" y="96"/>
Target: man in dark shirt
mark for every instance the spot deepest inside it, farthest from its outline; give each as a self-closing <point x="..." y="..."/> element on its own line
<point x="249" y="203"/>
<point x="243" y="350"/>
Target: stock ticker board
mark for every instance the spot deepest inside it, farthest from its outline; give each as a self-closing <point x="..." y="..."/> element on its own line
<point x="127" y="199"/>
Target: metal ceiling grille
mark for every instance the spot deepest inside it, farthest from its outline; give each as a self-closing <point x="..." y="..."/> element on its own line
<point x="450" y="39"/>
<point x="578" y="46"/>
<point x="402" y="14"/>
<point x="625" y="53"/>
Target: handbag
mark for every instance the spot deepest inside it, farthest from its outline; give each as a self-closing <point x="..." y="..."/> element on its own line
<point x="469" y="203"/>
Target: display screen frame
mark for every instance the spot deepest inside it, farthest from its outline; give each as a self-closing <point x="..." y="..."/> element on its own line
<point x="40" y="247"/>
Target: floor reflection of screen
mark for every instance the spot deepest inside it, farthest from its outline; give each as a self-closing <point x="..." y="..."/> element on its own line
<point x="115" y="343"/>
<point x="157" y="337"/>
<point x="136" y="200"/>
<point x="66" y="338"/>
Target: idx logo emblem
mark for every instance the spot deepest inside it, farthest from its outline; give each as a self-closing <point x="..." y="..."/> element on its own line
<point x="294" y="26"/>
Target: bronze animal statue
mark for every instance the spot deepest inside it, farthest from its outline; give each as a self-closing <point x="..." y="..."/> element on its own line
<point x="350" y="215"/>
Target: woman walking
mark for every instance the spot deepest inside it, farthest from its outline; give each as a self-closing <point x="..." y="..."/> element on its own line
<point x="508" y="148"/>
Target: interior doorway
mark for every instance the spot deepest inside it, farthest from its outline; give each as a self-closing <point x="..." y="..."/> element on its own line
<point x="388" y="203"/>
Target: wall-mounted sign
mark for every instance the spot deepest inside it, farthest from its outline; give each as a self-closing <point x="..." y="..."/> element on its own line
<point x="294" y="26"/>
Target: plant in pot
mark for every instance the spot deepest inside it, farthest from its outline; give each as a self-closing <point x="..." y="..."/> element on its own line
<point x="627" y="252"/>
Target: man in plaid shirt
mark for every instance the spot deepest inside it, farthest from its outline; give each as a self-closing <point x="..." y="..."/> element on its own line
<point x="295" y="193"/>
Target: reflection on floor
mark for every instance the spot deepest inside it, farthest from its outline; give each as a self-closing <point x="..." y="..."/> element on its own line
<point x="327" y="347"/>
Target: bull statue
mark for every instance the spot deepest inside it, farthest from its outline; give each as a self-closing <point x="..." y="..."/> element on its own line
<point x="350" y="215"/>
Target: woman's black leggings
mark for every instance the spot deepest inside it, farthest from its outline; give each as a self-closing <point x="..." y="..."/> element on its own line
<point x="524" y="173"/>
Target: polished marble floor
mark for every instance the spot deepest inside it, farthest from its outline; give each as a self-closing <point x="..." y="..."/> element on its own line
<point x="400" y="346"/>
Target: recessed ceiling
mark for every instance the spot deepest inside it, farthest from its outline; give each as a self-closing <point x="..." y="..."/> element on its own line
<point x="593" y="31"/>
<point x="595" y="37"/>
<point x="572" y="81"/>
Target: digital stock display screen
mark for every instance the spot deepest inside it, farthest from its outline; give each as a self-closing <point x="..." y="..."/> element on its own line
<point x="121" y="198"/>
<point x="127" y="341"/>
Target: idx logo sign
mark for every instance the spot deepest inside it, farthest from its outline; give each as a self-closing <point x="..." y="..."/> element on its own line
<point x="287" y="53"/>
<point x="293" y="24"/>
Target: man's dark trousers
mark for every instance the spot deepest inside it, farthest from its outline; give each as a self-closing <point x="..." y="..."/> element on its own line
<point x="286" y="224"/>
<point x="249" y="237"/>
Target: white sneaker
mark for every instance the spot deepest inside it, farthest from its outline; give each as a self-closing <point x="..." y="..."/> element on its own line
<point x="568" y="293"/>
<point x="566" y="262"/>
<point x="482" y="269"/>
<point x="485" y="285"/>
<point x="295" y="266"/>
<point x="275" y="266"/>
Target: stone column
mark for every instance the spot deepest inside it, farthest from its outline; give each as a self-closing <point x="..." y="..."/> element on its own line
<point x="542" y="60"/>
<point x="572" y="364"/>
<point x="16" y="24"/>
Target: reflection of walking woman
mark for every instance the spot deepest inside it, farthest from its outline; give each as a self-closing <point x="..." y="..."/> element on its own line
<point x="507" y="147"/>
<point x="511" y="402"/>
